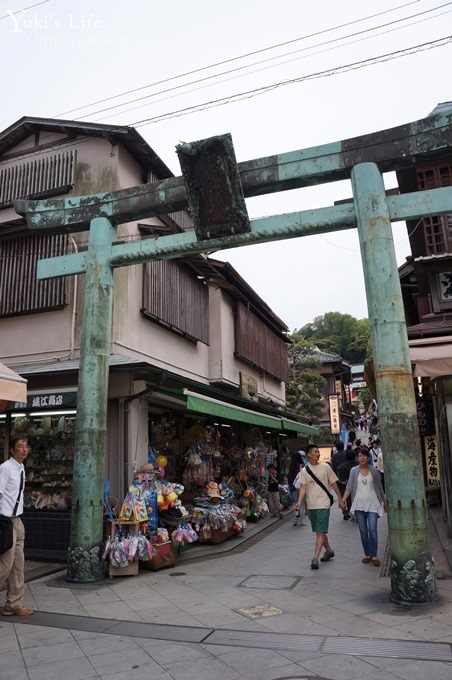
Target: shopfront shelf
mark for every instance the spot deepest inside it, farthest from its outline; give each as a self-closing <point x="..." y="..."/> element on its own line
<point x="47" y="534"/>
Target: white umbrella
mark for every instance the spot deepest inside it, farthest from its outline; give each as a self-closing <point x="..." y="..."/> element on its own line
<point x="12" y="386"/>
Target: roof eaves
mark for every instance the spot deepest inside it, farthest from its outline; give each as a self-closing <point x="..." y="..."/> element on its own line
<point x="129" y="136"/>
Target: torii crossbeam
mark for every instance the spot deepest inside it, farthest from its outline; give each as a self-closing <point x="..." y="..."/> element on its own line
<point x="363" y="159"/>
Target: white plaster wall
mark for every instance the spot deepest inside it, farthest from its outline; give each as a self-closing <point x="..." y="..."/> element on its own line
<point x="36" y="337"/>
<point x="144" y="339"/>
<point x="138" y="441"/>
<point x="216" y="334"/>
<point x="134" y="335"/>
<point x="56" y="335"/>
<point x="29" y="142"/>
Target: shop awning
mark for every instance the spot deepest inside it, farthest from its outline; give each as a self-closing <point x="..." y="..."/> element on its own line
<point x="432" y="357"/>
<point x="12" y="386"/>
<point x="295" y="426"/>
<point x="220" y="409"/>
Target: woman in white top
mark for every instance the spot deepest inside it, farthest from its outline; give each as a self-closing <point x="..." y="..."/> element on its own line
<point x="368" y="501"/>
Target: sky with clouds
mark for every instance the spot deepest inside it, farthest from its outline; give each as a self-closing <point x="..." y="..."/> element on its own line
<point x="72" y="60"/>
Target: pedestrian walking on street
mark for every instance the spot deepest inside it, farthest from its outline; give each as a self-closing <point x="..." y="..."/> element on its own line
<point x="338" y="457"/>
<point x="368" y="503"/>
<point x="12" y="482"/>
<point x="343" y="472"/>
<point x="274" y="503"/>
<point x="315" y="480"/>
<point x="295" y="466"/>
<point x="381" y="468"/>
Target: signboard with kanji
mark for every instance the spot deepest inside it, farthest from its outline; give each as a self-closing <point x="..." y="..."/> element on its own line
<point x="432" y="461"/>
<point x="335" y="419"/>
<point x="425" y="416"/>
<point x="48" y="400"/>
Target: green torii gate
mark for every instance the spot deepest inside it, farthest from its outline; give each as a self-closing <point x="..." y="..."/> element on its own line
<point x="212" y="177"/>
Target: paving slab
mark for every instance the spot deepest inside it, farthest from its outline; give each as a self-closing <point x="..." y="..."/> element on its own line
<point x="337" y="623"/>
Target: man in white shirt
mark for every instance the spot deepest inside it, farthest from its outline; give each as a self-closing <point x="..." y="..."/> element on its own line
<point x="12" y="482"/>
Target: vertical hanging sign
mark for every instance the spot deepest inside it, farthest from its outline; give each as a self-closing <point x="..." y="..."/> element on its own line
<point x="431" y="461"/>
<point x="335" y="421"/>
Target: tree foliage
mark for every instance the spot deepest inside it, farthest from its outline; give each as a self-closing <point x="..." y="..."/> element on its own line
<point x="365" y="398"/>
<point x="303" y="390"/>
<point x="339" y="334"/>
<point x="335" y="333"/>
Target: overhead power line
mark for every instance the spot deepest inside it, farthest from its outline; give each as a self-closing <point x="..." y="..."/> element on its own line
<point x="335" y="70"/>
<point x="257" y="70"/>
<point x="263" y="61"/>
<point x="236" y="58"/>
<point x="24" y="9"/>
<point x="440" y="42"/>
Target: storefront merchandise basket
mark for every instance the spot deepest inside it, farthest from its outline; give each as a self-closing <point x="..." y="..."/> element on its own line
<point x="218" y="536"/>
<point x="165" y="556"/>
<point x="170" y="522"/>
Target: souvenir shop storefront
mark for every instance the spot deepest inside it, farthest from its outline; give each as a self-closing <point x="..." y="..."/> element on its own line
<point x="204" y="480"/>
<point x="48" y="420"/>
<point x="201" y="477"/>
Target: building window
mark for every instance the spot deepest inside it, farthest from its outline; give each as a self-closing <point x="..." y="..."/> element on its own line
<point x="20" y="290"/>
<point x="38" y="177"/>
<point x="258" y="345"/>
<point x="435" y="235"/>
<point x="176" y="298"/>
<point x="437" y="230"/>
<point x="445" y="286"/>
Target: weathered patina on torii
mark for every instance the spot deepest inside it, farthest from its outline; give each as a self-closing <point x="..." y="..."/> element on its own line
<point x="363" y="159"/>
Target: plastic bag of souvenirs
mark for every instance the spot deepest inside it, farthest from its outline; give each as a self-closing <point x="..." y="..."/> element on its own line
<point x="134" y="506"/>
<point x="183" y="534"/>
<point x="162" y="535"/>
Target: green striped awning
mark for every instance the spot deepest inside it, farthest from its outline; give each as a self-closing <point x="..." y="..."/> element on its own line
<point x="220" y="409"/>
<point x="200" y="403"/>
<point x="295" y="426"/>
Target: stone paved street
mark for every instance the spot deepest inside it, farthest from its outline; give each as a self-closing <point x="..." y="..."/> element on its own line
<point x="255" y="613"/>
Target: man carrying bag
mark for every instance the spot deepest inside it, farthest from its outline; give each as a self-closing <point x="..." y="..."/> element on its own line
<point x="316" y="478"/>
<point x="12" y="482"/>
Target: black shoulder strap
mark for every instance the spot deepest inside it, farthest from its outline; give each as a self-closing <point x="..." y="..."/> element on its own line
<point x="321" y="484"/>
<point x="21" y="487"/>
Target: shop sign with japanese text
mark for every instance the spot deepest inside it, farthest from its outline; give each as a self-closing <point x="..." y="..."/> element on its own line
<point x="425" y="416"/>
<point x="42" y="400"/>
<point x="432" y="461"/>
<point x="335" y="421"/>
